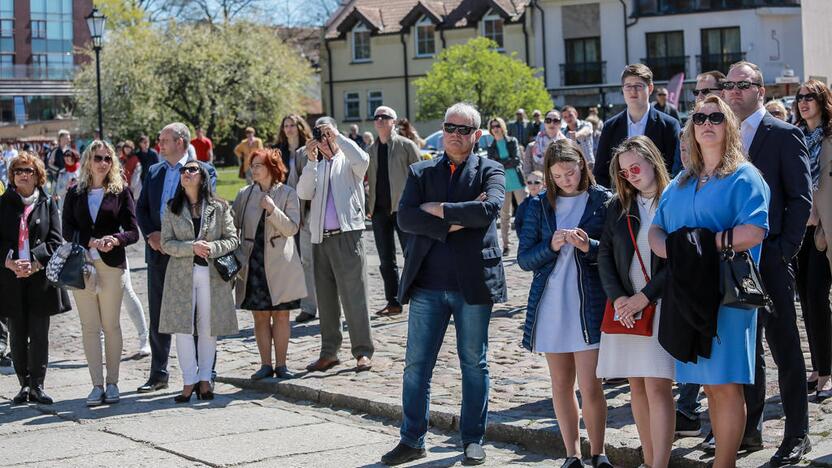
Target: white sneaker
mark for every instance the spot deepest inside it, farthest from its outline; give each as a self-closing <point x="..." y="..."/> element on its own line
<point x="111" y="395"/>
<point x="96" y="396"/>
<point x="144" y="347"/>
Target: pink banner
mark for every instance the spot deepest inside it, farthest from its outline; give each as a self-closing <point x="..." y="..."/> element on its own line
<point x="674" y="89"/>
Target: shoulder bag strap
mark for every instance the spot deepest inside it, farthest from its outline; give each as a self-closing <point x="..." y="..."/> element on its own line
<point x="638" y="254"/>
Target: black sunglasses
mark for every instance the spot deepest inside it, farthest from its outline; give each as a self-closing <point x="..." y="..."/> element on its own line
<point x="705" y="91"/>
<point x="188" y="169"/>
<point x="98" y="158"/>
<point x="715" y="118"/>
<point x="382" y="117"/>
<point x="551" y="120"/>
<point x="808" y="97"/>
<point x="460" y="129"/>
<point x="743" y="85"/>
<point x="533" y="182"/>
<point x="24" y="170"/>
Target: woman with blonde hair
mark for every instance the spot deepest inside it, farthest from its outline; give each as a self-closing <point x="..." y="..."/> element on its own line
<point x="718" y="197"/>
<point x="100" y="214"/>
<point x="506" y="150"/>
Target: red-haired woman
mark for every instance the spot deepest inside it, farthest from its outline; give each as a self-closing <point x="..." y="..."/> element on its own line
<point x="271" y="283"/>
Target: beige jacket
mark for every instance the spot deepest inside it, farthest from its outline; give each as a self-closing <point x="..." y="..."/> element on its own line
<point x="284" y="272"/>
<point x="401" y="153"/>
<point x="177" y="241"/>
<point x="822" y="200"/>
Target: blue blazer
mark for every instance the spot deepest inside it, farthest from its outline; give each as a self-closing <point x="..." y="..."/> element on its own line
<point x="661" y="128"/>
<point x="150" y="204"/>
<point x="476" y="248"/>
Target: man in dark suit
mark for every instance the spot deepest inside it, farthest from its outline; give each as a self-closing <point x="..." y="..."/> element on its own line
<point x="453" y="269"/>
<point x="640" y="118"/>
<point x="779" y="152"/>
<point x="157" y="190"/>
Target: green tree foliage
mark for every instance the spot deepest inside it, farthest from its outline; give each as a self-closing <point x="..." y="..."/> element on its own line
<point x="496" y="83"/>
<point x="222" y="78"/>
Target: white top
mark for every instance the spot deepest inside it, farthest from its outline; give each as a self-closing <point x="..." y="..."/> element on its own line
<point x="749" y="127"/>
<point x="94" y="199"/>
<point x="637" y="128"/>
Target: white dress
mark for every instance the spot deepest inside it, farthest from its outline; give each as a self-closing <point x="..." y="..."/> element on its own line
<point x="558" y="328"/>
<point x="632" y="355"/>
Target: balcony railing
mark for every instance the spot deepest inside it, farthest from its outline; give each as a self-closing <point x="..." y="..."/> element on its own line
<point x="36" y="72"/>
<point x="719" y="62"/>
<point x="664" y="68"/>
<point x="672" y="7"/>
<point x="583" y="73"/>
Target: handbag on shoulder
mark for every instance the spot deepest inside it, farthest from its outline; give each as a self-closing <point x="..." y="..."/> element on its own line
<point x="642" y="326"/>
<point x="739" y="278"/>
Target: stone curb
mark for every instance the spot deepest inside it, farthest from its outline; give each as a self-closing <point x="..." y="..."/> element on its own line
<point x="541" y="440"/>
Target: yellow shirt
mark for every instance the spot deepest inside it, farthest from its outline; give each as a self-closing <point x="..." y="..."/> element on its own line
<point x="243" y="152"/>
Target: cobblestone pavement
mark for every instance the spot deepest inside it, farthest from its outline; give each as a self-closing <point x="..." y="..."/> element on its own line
<point x="520" y="388"/>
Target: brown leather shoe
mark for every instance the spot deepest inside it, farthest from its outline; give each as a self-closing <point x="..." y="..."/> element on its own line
<point x="390" y="310"/>
<point x="322" y="365"/>
<point x="364" y="364"/>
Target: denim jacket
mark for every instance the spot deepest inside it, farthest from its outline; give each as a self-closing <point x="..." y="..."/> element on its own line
<point x="536" y="255"/>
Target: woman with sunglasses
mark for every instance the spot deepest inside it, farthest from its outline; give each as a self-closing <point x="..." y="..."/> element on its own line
<point x="814" y="117"/>
<point x="719" y="191"/>
<point x="196" y="229"/>
<point x="550" y="134"/>
<point x="100" y="215"/>
<point x="506" y="150"/>
<point x="559" y="242"/>
<point x="30" y="232"/>
<point x="634" y="277"/>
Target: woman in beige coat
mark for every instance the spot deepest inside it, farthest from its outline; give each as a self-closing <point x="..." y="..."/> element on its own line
<point x="271" y="281"/>
<point x="196" y="228"/>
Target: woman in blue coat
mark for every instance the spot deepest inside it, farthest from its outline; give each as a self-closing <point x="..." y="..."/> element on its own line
<point x="559" y="242"/>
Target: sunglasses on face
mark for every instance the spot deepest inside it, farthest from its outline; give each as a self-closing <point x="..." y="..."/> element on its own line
<point x="715" y="118"/>
<point x="742" y="85"/>
<point x="635" y="169"/>
<point x="776" y="113"/>
<point x="534" y="182"/>
<point x="382" y="117"/>
<point x="24" y="171"/>
<point x="705" y="91"/>
<point x="98" y="158"/>
<point x="189" y="169"/>
<point x="551" y="120"/>
<point x="460" y="129"/>
<point x="808" y="97"/>
<point x="496" y="127"/>
<point x="663" y="95"/>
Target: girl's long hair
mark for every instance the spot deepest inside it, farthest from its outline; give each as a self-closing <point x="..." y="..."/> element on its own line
<point x="732" y="152"/>
<point x="624" y="190"/>
<point x="180" y="199"/>
<point x="564" y="151"/>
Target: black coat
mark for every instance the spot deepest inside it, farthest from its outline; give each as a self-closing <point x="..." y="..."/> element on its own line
<point x="116" y="217"/>
<point x="616" y="252"/>
<point x="39" y="297"/>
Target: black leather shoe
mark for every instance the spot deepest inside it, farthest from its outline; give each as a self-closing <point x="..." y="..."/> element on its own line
<point x="282" y="372"/>
<point x="152" y="385"/>
<point x="572" y="462"/>
<point x="22" y="396"/>
<point x="402" y="453"/>
<point x="37" y="394"/>
<point x="304" y="317"/>
<point x="751" y="442"/>
<point x="474" y="454"/>
<point x="264" y="372"/>
<point x="5" y="361"/>
<point x="601" y="461"/>
<point x="791" y="451"/>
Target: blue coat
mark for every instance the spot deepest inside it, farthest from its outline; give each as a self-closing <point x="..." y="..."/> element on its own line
<point x="535" y="254"/>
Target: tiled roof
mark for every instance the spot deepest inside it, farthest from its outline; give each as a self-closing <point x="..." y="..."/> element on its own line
<point x="390" y="16"/>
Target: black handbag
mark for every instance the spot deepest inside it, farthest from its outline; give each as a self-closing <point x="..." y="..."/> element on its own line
<point x="740" y="282"/>
<point x="65" y="268"/>
<point x="228" y="266"/>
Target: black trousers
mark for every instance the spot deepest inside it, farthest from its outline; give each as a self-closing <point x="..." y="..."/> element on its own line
<point x="29" y="335"/>
<point x="780" y="329"/>
<point x="814" y="280"/>
<point x="4" y="336"/>
<point x="159" y="342"/>
<point x="384" y="227"/>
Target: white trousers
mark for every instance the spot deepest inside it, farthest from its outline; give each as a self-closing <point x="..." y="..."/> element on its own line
<point x="198" y="369"/>
<point x="133" y="306"/>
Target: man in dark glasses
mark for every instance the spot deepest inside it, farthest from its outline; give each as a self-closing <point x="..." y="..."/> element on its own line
<point x="779" y="150"/>
<point x="708" y="83"/>
<point x="662" y="105"/>
<point x="453" y="269"/>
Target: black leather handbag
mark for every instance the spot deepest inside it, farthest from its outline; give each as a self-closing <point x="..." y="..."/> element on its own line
<point x="740" y="280"/>
<point x="66" y="267"/>
<point x="228" y="266"/>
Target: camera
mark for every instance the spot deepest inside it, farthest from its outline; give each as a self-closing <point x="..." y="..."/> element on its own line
<point x="317" y="134"/>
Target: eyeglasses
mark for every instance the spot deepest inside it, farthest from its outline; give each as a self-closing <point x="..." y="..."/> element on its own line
<point x="460" y="129"/>
<point x="715" y="118"/>
<point x="24" y="171"/>
<point x="662" y="94"/>
<point x="635" y="87"/>
<point x="635" y="169"/>
<point x="705" y="91"/>
<point x="534" y="182"/>
<point x="190" y="169"/>
<point x="550" y="120"/>
<point x="776" y="113"/>
<point x="808" y="97"/>
<point x="382" y="117"/>
<point x="742" y="85"/>
<point x="98" y="158"/>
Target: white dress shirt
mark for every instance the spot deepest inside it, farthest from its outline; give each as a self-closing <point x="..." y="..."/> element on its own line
<point x="637" y="128"/>
<point x="749" y="126"/>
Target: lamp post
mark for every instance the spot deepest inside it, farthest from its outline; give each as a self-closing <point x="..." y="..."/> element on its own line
<point x="95" y="22"/>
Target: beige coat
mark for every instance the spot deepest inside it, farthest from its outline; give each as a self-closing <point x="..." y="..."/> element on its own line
<point x="401" y="153"/>
<point x="177" y="241"/>
<point x="284" y="272"/>
<point x="822" y="200"/>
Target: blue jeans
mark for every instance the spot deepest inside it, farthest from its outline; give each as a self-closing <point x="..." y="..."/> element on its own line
<point x="688" y="403"/>
<point x="430" y="312"/>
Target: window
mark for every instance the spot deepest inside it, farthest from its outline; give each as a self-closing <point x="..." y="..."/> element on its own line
<point x="6" y="28"/>
<point x="38" y="29"/>
<point x="720" y="48"/>
<point x="583" y="62"/>
<point x="492" y="28"/>
<point x="666" y="54"/>
<point x="352" y="106"/>
<point x="361" y="44"/>
<point x="374" y="99"/>
<point x="6" y="66"/>
<point x="425" y="38"/>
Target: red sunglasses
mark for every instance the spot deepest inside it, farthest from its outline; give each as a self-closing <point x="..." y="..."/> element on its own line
<point x="634" y="170"/>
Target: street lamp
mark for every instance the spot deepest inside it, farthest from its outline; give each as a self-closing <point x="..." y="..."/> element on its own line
<point x="95" y="22"/>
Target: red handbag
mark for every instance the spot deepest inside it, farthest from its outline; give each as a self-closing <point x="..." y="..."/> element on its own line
<point x="642" y="326"/>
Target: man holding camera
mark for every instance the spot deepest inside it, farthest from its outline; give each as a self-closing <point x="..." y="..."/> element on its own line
<point x="333" y="180"/>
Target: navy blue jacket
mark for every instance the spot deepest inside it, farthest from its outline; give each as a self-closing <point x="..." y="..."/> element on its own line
<point x="476" y="248"/>
<point x="150" y="203"/>
<point x="535" y="254"/>
<point x="661" y="128"/>
<point x="520" y="213"/>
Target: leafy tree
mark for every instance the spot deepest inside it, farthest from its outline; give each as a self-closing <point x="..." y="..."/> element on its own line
<point x="496" y="83"/>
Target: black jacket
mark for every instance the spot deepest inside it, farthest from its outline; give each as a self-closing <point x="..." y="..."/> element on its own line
<point x="616" y="253"/>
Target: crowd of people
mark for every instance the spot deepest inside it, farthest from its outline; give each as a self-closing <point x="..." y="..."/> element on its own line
<point x="627" y="225"/>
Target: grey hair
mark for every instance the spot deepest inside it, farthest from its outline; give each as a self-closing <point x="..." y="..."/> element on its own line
<point x="463" y="109"/>
<point x="180" y="131"/>
<point x="62" y="133"/>
<point x="326" y="120"/>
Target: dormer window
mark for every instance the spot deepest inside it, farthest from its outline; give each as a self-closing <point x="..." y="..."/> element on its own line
<point x="492" y="28"/>
<point x="425" y="38"/>
<point x="361" y="43"/>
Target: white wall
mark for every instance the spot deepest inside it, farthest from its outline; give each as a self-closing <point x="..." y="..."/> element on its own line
<point x="817" y="39"/>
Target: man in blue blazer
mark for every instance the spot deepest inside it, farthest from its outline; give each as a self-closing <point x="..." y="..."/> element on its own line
<point x="639" y="118"/>
<point x="159" y="187"/>
<point x="453" y="269"/>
